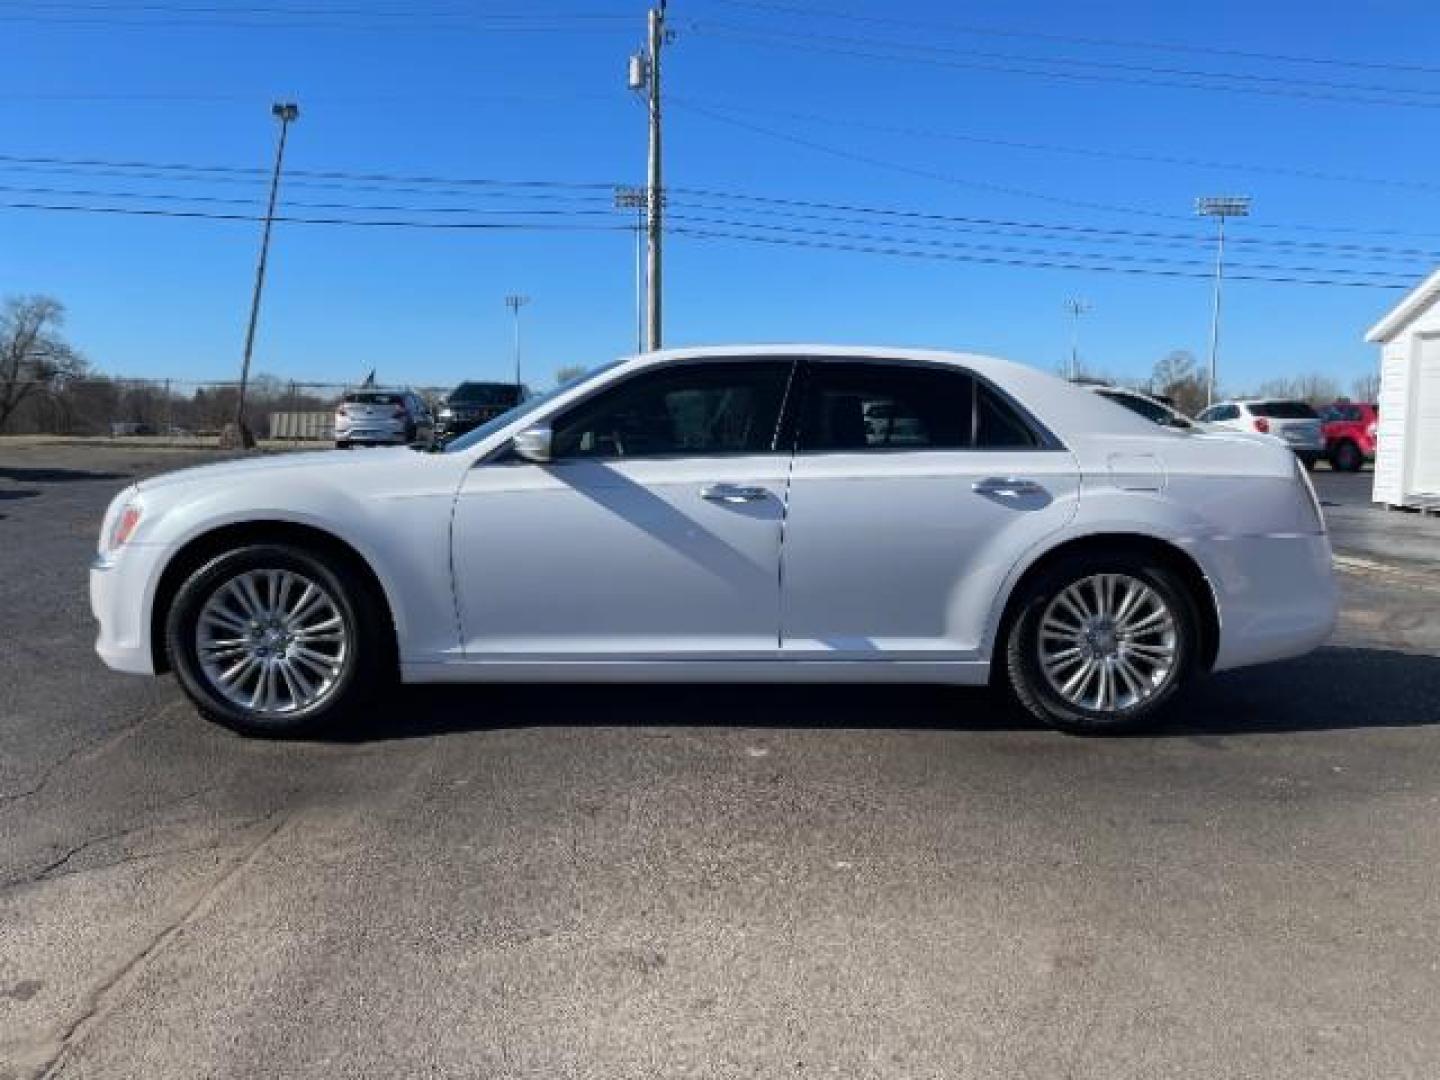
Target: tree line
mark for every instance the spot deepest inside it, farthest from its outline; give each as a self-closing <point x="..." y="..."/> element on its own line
<point x="48" y="386"/>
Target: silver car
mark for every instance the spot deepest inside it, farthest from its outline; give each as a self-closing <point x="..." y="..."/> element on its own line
<point x="396" y="417"/>
<point x="1293" y="422"/>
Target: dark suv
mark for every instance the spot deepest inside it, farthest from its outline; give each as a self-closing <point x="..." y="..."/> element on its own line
<point x="471" y="404"/>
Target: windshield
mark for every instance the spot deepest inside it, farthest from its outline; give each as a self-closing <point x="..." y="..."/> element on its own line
<point x="505" y="419"/>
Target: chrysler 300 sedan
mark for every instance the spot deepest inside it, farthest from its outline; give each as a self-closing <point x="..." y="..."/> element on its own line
<point x="743" y="514"/>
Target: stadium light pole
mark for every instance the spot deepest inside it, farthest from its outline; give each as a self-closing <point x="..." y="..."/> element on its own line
<point x="515" y="302"/>
<point x="1219" y="207"/>
<point x="287" y="112"/>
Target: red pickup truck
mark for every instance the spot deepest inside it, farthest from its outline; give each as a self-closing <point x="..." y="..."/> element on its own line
<point x="1349" y="429"/>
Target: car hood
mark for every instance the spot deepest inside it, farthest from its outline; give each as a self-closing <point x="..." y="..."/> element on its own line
<point x="248" y="468"/>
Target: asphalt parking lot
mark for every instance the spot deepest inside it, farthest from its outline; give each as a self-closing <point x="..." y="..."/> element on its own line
<point x="720" y="882"/>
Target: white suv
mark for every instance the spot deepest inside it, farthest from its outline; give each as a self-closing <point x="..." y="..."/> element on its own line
<point x="1293" y="422"/>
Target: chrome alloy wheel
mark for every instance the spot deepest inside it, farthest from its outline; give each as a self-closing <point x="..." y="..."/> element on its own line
<point x="1108" y="642"/>
<point x="271" y="641"/>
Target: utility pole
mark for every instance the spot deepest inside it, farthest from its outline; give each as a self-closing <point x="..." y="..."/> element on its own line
<point x="631" y="198"/>
<point x="1076" y="307"/>
<point x="1219" y="207"/>
<point x="287" y="113"/>
<point x="515" y="302"/>
<point x="645" y="75"/>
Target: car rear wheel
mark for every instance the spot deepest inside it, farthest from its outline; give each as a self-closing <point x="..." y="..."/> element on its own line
<point x="273" y="639"/>
<point x="1346" y="457"/>
<point x="1101" y="646"/>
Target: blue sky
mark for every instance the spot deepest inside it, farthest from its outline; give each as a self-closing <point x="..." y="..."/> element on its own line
<point x="469" y="92"/>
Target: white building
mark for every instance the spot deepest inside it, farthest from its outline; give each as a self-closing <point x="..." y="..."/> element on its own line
<point x="1407" y="460"/>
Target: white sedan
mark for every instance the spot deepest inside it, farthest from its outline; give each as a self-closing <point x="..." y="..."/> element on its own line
<point x="796" y="513"/>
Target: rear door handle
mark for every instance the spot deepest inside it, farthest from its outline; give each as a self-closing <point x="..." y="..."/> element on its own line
<point x="1007" y="486"/>
<point x="733" y="493"/>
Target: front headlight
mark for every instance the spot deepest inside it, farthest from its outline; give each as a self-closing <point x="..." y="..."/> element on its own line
<point x="446" y="413"/>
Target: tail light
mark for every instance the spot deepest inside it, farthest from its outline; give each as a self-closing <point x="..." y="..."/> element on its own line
<point x="1262" y="425"/>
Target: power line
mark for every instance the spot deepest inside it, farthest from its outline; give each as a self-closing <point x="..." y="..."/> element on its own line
<point x="911" y="170"/>
<point x="1089" y="41"/>
<point x="770" y="233"/>
<point x="1079" y="151"/>
<point x="92" y="193"/>
<point x="149" y="16"/>
<point x="950" y="178"/>
<point x="1135" y="75"/>
<point x="1042" y="264"/>
<point x="598" y="192"/>
<point x="205" y="215"/>
<point x="1111" y="258"/>
<point x="907" y="219"/>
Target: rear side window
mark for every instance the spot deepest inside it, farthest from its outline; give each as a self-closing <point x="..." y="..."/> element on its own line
<point x="695" y="409"/>
<point x="1150" y="410"/>
<point x="883" y="407"/>
<point x="852" y="407"/>
<point x="1282" y="410"/>
<point x="998" y="425"/>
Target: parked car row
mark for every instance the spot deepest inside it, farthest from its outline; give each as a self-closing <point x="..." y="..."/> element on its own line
<point x="373" y="417"/>
<point x="1344" y="433"/>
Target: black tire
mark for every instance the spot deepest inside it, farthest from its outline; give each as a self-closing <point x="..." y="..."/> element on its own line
<point x="1023" y="673"/>
<point x="366" y="657"/>
<point x="342" y="444"/>
<point x="1346" y="457"/>
<point x="1308" y="460"/>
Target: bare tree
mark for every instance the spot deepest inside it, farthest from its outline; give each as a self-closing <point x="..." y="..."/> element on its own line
<point x="1313" y="387"/>
<point x="1177" y="377"/>
<point x="568" y="373"/>
<point x="1367" y="387"/>
<point x="34" y="359"/>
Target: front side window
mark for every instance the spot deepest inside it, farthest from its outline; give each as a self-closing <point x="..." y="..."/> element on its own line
<point x="730" y="407"/>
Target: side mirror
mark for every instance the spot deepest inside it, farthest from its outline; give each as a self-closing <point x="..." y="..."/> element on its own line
<point x="533" y="444"/>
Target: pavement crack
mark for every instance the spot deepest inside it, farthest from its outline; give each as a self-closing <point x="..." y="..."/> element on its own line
<point x="99" y="746"/>
<point x="112" y="989"/>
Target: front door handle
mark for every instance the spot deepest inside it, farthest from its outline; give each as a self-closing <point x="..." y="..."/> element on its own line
<point x="733" y="493"/>
<point x="1007" y="486"/>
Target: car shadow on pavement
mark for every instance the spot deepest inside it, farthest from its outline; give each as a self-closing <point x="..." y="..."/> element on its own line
<point x="1332" y="689"/>
<point x="54" y="476"/>
<point x="23" y="493"/>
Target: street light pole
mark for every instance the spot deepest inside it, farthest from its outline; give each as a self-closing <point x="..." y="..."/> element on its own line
<point x="1076" y="307"/>
<point x="1219" y="207"/>
<point x="287" y="113"/>
<point x="515" y="302"/>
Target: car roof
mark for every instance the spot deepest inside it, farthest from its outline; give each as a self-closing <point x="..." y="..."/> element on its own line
<point x="1066" y="409"/>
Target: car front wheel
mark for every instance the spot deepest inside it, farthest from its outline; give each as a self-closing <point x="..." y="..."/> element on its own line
<point x="1101" y="646"/>
<point x="273" y="639"/>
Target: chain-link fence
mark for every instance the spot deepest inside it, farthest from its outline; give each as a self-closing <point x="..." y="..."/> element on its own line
<point x="180" y="409"/>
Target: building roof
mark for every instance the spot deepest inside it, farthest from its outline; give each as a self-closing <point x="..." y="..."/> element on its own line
<point x="1416" y="301"/>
